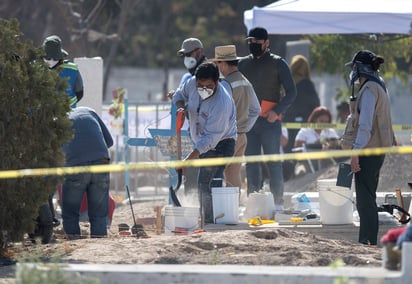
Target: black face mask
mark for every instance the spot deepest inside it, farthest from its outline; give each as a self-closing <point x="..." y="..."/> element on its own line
<point x="256" y="49"/>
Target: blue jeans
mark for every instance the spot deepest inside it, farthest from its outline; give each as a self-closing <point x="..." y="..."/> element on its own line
<point x="96" y="185"/>
<point x="265" y="135"/>
<point x="212" y="176"/>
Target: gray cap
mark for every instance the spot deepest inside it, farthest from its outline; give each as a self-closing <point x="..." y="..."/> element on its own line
<point x="53" y="47"/>
<point x="189" y="45"/>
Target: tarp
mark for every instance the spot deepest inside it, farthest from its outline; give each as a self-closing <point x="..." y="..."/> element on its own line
<point x="332" y="17"/>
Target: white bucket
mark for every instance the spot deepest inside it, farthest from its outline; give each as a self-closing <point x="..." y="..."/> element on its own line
<point x="260" y="204"/>
<point x="335" y="203"/>
<point x="225" y="205"/>
<point x="181" y="219"/>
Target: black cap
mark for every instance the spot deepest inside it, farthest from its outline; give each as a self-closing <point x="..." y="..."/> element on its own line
<point x="363" y="57"/>
<point x="258" y="33"/>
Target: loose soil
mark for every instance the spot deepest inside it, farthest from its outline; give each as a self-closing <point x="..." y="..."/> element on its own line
<point x="257" y="246"/>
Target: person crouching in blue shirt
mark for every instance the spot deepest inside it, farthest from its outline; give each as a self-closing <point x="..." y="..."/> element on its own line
<point x="212" y="124"/>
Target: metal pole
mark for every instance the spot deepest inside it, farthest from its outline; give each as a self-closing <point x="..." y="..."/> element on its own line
<point x="126" y="137"/>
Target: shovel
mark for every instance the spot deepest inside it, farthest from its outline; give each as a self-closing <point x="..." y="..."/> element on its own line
<point x="137" y="229"/>
<point x="180" y="119"/>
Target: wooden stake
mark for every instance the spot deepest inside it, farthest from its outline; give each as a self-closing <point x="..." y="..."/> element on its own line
<point x="399" y="199"/>
<point x="158" y="220"/>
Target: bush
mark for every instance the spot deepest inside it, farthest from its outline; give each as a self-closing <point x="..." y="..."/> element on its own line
<point x="33" y="127"/>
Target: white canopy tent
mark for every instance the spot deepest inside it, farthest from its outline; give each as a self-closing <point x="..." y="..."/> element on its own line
<point x="332" y="17"/>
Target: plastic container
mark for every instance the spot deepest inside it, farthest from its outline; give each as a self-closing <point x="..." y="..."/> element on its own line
<point x="335" y="202"/>
<point x="180" y="220"/>
<point x="301" y="202"/>
<point x="391" y="259"/>
<point x="225" y="205"/>
<point x="260" y="204"/>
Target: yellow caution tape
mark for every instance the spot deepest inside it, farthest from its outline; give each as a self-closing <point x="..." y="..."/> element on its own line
<point x="319" y="155"/>
<point x="297" y="125"/>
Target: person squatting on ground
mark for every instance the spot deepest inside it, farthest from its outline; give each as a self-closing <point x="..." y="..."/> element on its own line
<point x="326" y="138"/>
<point x="268" y="73"/>
<point x="55" y="59"/>
<point x="316" y="139"/>
<point x="247" y="107"/>
<point x="88" y="147"/>
<point x="372" y="124"/>
<point x="212" y="124"/>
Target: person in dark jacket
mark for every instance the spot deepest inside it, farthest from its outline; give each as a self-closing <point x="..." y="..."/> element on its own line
<point x="307" y="99"/>
<point x="269" y="75"/>
<point x="88" y="147"/>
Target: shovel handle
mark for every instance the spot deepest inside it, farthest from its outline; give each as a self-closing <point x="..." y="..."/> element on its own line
<point x="180" y="120"/>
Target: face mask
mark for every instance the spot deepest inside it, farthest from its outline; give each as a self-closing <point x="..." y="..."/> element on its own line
<point x="190" y="62"/>
<point x="205" y="93"/>
<point x="256" y="49"/>
<point x="51" y="62"/>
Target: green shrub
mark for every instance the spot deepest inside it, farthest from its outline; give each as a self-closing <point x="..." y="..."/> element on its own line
<point x="33" y="128"/>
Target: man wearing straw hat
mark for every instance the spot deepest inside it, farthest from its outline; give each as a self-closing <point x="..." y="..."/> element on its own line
<point x="247" y="106"/>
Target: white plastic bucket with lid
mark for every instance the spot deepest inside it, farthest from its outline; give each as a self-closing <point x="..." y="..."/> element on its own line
<point x="260" y="204"/>
<point x="335" y="202"/>
<point x="225" y="205"/>
<point x="181" y="219"/>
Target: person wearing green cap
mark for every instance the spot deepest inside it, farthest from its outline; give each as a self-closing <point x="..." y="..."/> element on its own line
<point x="56" y="59"/>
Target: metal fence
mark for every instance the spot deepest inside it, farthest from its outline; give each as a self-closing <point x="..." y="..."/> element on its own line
<point x="141" y="117"/>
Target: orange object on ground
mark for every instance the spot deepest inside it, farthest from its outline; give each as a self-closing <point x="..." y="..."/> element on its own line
<point x="199" y="231"/>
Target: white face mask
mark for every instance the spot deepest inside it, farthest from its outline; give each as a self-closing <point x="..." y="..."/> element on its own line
<point x="51" y="62"/>
<point x="205" y="93"/>
<point x="190" y="62"/>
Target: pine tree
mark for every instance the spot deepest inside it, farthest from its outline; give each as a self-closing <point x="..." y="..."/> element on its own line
<point x="33" y="127"/>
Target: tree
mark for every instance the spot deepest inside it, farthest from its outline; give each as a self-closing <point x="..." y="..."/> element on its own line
<point x="33" y="127"/>
<point x="329" y="53"/>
